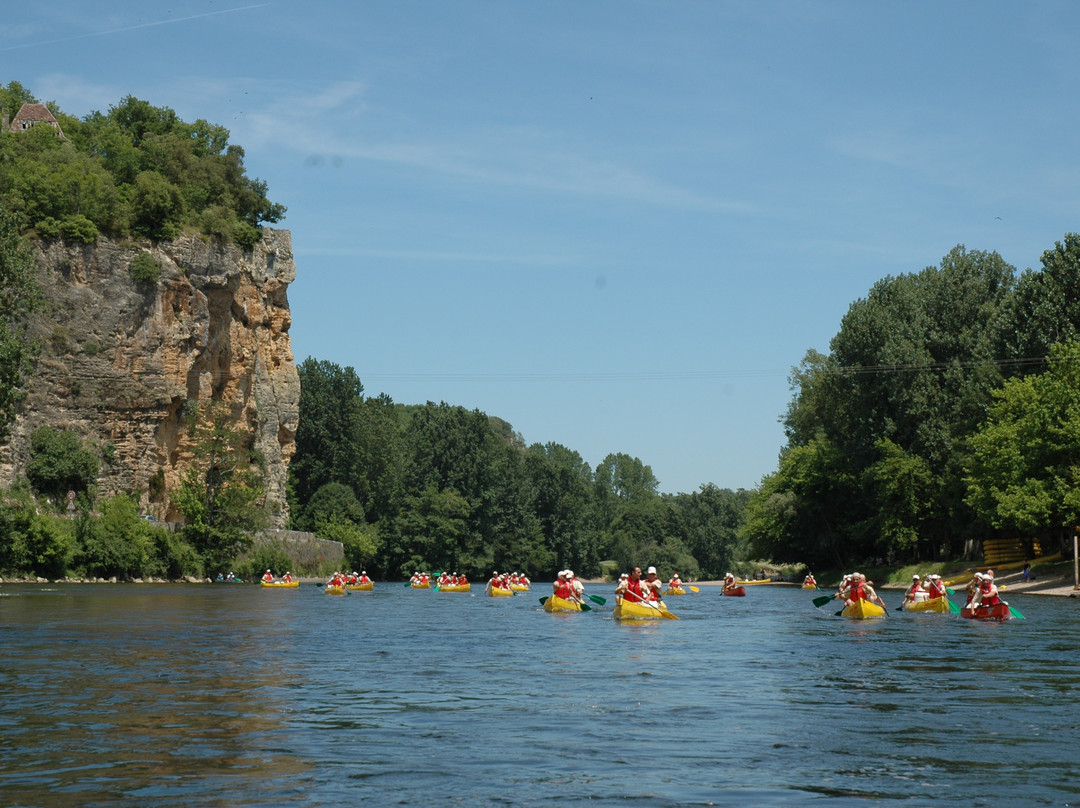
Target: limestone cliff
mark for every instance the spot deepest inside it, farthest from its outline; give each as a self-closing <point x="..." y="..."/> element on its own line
<point x="121" y="359"/>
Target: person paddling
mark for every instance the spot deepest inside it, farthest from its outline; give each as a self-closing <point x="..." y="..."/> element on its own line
<point x="729" y="583"/>
<point x="562" y="587"/>
<point x="986" y="593"/>
<point x="915" y="593"/>
<point x="630" y="587"/>
<point x="651" y="587"/>
<point x="935" y="588"/>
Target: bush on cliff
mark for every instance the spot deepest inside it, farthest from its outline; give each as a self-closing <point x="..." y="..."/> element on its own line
<point x="135" y="169"/>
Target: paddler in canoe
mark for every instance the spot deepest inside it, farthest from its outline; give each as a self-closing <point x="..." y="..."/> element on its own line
<point x="633" y="589"/>
<point x="675" y="586"/>
<point x="268" y="577"/>
<point x="934" y="587"/>
<point x="915" y="593"/>
<point x="858" y="588"/>
<point x="500" y="583"/>
<point x="809" y="582"/>
<point x="629" y="586"/>
<point x="731" y="587"/>
<point x="651" y="585"/>
<point x="985" y="592"/>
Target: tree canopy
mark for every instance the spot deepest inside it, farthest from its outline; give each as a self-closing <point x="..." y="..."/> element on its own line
<point x="907" y="439"/>
<point x="136" y="169"/>
<point x="446" y="488"/>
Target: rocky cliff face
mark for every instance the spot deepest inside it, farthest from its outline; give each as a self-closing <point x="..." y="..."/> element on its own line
<point x="121" y="360"/>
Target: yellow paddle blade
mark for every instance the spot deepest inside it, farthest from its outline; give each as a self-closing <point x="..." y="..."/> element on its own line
<point x="693" y="589"/>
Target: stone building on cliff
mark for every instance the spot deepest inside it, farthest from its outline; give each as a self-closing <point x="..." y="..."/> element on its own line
<point x="30" y="115"/>
<point x="121" y="360"/>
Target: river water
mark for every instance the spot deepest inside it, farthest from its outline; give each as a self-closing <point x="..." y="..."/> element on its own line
<point x="230" y="695"/>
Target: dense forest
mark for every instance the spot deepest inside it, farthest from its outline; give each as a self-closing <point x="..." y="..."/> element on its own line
<point x="946" y="411"/>
<point x="438" y="487"/>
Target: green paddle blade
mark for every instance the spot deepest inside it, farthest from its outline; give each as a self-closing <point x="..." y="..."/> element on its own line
<point x="822" y="600"/>
<point x="597" y="599"/>
<point x="585" y="607"/>
<point x="1016" y="614"/>
<point x="954" y="608"/>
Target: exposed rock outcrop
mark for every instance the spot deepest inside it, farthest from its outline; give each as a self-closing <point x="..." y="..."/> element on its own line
<point x="122" y="359"/>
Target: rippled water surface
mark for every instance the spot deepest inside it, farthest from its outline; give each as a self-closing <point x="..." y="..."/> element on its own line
<point x="223" y="695"/>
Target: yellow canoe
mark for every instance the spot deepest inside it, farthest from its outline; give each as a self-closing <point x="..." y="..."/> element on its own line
<point x="335" y="590"/>
<point x="678" y="590"/>
<point x="368" y="587"/>
<point x="454" y="588"/>
<point x="498" y="592"/>
<point x="280" y="584"/>
<point x="556" y="604"/>
<point x="520" y="587"/>
<point x="421" y="586"/>
<point x="755" y="581"/>
<point x="863" y="610"/>
<point x="809" y="586"/>
<point x="626" y="610"/>
<point x="934" y="605"/>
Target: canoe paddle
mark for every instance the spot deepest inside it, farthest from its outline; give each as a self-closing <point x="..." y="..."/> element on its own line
<point x="597" y="599"/>
<point x="823" y="599"/>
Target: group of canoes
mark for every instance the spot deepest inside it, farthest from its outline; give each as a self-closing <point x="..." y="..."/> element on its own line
<point x="929" y="594"/>
<point x="505" y="584"/>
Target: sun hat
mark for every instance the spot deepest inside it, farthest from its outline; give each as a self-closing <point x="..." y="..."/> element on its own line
<point x="651" y="571"/>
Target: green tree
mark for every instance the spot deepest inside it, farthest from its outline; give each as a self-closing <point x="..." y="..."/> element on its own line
<point x="1024" y="470"/>
<point x="328" y="438"/>
<point x="908" y="378"/>
<point x="1046" y="307"/>
<point x="812" y="509"/>
<point x="708" y="524"/>
<point x="60" y="462"/>
<point x="20" y="297"/>
<point x="222" y="490"/>
<point x="117" y="543"/>
<point x="333" y="502"/>
<point x="429" y="532"/>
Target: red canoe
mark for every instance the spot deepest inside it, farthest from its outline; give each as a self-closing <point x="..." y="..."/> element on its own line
<point x="736" y="591"/>
<point x="999" y="611"/>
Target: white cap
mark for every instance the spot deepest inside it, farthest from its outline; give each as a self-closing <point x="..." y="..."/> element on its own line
<point x="651" y="571"/>
<point x="916" y="577"/>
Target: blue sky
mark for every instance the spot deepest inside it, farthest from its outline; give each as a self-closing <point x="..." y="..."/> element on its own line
<point x="616" y="224"/>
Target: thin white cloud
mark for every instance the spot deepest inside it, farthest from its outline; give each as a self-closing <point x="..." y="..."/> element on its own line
<point x="135" y="27"/>
<point x="331" y="124"/>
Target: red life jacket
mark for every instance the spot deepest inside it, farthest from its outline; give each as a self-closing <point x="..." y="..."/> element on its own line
<point x="563" y="590"/>
<point x="987" y="598"/>
<point x="634" y="587"/>
<point x="937" y="590"/>
<point x="857" y="591"/>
